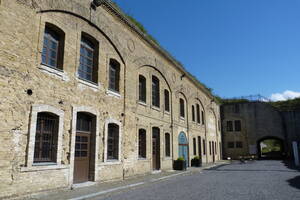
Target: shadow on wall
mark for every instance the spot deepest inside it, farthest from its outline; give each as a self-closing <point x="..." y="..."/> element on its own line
<point x="294" y="182"/>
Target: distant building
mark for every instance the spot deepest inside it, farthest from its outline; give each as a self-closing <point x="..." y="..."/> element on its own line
<point x="246" y="125"/>
<point x="86" y="96"/>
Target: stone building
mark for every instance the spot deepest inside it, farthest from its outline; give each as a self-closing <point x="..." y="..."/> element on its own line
<point x="86" y="96"/>
<point x="246" y="125"/>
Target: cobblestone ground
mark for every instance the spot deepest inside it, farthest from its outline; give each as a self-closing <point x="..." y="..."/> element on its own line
<point x="256" y="180"/>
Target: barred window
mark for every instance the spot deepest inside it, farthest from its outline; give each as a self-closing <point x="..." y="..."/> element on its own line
<point x="142" y="143"/>
<point x="167" y="101"/>
<point x="155" y="92"/>
<point x="182" y="110"/>
<point x="46" y="137"/>
<point x="88" y="66"/>
<point x="53" y="47"/>
<point x="142" y="89"/>
<point x="113" y="142"/>
<point x="167" y="145"/>
<point x="114" y="75"/>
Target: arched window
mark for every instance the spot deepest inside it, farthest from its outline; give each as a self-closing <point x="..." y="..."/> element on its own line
<point x="114" y="75"/>
<point x="198" y="113"/>
<point x="167" y="144"/>
<point x="193" y="113"/>
<point x="167" y="100"/>
<point x="46" y="137"/>
<point x="182" y="110"/>
<point x="202" y="117"/>
<point x="155" y="92"/>
<point x="53" y="47"/>
<point x="113" y="141"/>
<point x="88" y="65"/>
<point x="142" y="89"/>
<point x="194" y="146"/>
<point x="142" y="143"/>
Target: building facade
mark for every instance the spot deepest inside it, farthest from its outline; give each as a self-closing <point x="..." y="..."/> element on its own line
<point x="86" y="96"/>
<point x="246" y="125"/>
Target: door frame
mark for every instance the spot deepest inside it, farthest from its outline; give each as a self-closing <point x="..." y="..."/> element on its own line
<point x="95" y="113"/>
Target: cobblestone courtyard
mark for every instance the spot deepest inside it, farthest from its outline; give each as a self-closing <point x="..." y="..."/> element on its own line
<point x="257" y="180"/>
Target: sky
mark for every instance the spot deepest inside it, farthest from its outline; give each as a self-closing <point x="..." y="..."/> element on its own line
<point x="236" y="47"/>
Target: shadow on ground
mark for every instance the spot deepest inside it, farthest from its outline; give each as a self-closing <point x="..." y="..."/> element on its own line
<point x="294" y="182"/>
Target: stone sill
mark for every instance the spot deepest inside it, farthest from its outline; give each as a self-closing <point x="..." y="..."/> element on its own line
<point x="155" y="108"/>
<point x="94" y="86"/>
<point x="142" y="103"/>
<point x="43" y="167"/>
<point x="110" y="162"/>
<point x="143" y="160"/>
<point x="113" y="94"/>
<point x="168" y="158"/>
<point x="58" y="73"/>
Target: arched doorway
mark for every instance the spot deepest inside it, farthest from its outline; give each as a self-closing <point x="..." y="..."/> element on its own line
<point x="183" y="147"/>
<point x="270" y="148"/>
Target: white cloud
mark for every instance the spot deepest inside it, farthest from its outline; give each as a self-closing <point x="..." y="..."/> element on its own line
<point x="288" y="94"/>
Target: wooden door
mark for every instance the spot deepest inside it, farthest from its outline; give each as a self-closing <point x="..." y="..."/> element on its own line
<point x="82" y="158"/>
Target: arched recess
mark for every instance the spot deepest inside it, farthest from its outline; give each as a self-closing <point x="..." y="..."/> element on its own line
<point x="271" y="147"/>
<point x="183" y="147"/>
<point x="109" y="39"/>
<point x="157" y="70"/>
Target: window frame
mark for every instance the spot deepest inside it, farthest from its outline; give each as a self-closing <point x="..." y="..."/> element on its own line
<point x="142" y="89"/>
<point x="50" y="32"/>
<point x="194" y="147"/>
<point x="198" y="113"/>
<point x="155" y="91"/>
<point x="39" y="108"/>
<point x="237" y="125"/>
<point x="113" y="140"/>
<point x="142" y="144"/>
<point x="106" y="159"/>
<point x="114" y="75"/>
<point x="229" y="126"/>
<point x="167" y="145"/>
<point x="167" y="100"/>
<point x="193" y="114"/>
<point x="88" y="43"/>
<point x="181" y="108"/>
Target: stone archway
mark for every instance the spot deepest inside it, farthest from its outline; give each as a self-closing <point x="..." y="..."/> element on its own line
<point x="270" y="147"/>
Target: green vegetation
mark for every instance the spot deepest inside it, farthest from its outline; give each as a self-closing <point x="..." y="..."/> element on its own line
<point x="137" y="24"/>
<point x="288" y="105"/>
<point x="270" y="145"/>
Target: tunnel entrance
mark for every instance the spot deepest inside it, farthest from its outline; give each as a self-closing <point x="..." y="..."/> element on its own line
<point x="270" y="148"/>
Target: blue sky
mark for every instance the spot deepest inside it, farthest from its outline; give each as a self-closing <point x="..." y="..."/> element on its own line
<point x="235" y="47"/>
